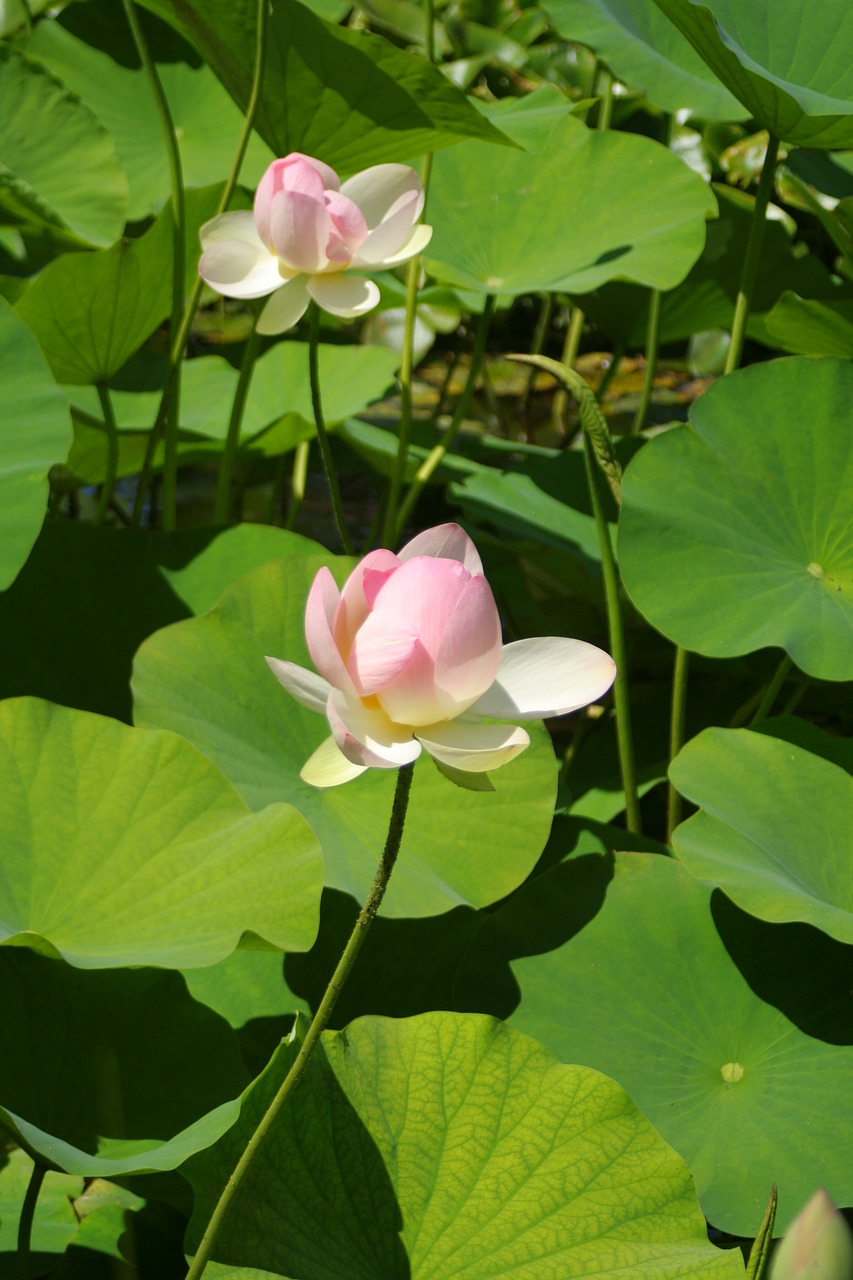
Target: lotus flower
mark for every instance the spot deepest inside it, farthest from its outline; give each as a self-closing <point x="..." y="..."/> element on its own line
<point x="818" y="1245"/>
<point x="410" y="660"/>
<point x="306" y="230"/>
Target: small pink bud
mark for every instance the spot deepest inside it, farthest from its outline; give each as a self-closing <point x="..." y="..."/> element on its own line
<point x="818" y="1245"/>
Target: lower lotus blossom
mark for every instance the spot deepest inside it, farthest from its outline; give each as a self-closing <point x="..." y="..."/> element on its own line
<point x="410" y="659"/>
<point x="306" y="230"/>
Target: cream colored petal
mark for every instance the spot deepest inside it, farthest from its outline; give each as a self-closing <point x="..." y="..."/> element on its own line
<point x="343" y="295"/>
<point x="235" y="261"/>
<point x="309" y="689"/>
<point x="473" y="747"/>
<point x="546" y="676"/>
<point x="328" y="768"/>
<point x="287" y="305"/>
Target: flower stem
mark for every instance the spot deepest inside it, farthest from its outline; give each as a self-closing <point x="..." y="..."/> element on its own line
<point x="546" y="306"/>
<point x="25" y="1223"/>
<point x="433" y="460"/>
<point x="318" y="1024"/>
<point x="652" y="342"/>
<point x="182" y="332"/>
<point x="225" y="482"/>
<point x="770" y="693"/>
<point x="112" y="452"/>
<point x="398" y="475"/>
<point x="753" y="256"/>
<point x="298" y="479"/>
<point x="322" y="434"/>
<point x="624" y="740"/>
<point x="677" y="722"/>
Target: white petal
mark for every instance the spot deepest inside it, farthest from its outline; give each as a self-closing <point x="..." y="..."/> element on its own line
<point x="393" y="232"/>
<point x="369" y="737"/>
<point x="287" y="305"/>
<point x="344" y="296"/>
<point x="377" y="190"/>
<point x="416" y="243"/>
<point x="473" y="747"/>
<point x="309" y="689"/>
<point x="328" y="768"/>
<point x="547" y="676"/>
<point x="236" y="262"/>
<point x="447" y="542"/>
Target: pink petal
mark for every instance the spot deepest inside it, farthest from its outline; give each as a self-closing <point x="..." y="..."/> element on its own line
<point x="344" y="296"/>
<point x="320" y="611"/>
<point x="473" y="747"/>
<point x="354" y="606"/>
<point x="287" y="305"/>
<point x="311" y="690"/>
<point x="328" y="767"/>
<point x="548" y="676"/>
<point x="377" y="191"/>
<point x="470" y="652"/>
<point x="369" y="737"/>
<point x="300" y="225"/>
<point x="349" y="229"/>
<point x="331" y="181"/>
<point x="412" y="699"/>
<point x="423" y="593"/>
<point x="383" y="649"/>
<point x="447" y="542"/>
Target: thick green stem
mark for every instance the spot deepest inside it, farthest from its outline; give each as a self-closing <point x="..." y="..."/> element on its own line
<point x="298" y="480"/>
<point x="770" y="693"/>
<point x="677" y="723"/>
<point x="318" y="1024"/>
<point x="604" y="88"/>
<point x="568" y="357"/>
<point x="25" y="1222"/>
<point x="181" y="332"/>
<point x="173" y="381"/>
<point x="225" y="482"/>
<point x="546" y="306"/>
<point x="652" y="342"/>
<point x="610" y="573"/>
<point x="398" y="475"/>
<point x="436" y="455"/>
<point x="322" y="434"/>
<point x="753" y="256"/>
<point x="111" y="472"/>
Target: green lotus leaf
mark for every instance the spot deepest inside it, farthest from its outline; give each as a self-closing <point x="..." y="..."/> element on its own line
<point x="760" y="835"/>
<point x="126" y="847"/>
<point x="350" y="98"/>
<point x="114" y="1072"/>
<point x="36" y="433"/>
<point x="56" y="156"/>
<point x="789" y="64"/>
<point x="809" y="327"/>
<point x="500" y="229"/>
<point x="735" y="533"/>
<point x="642" y="47"/>
<point x="452" y="1146"/>
<point x="206" y="679"/>
<point x="731" y="1035"/>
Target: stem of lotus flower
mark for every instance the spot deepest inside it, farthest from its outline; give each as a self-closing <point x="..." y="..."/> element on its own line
<point x="752" y="258"/>
<point x="765" y="706"/>
<point x="398" y="475"/>
<point x="433" y="460"/>
<point x="624" y="739"/>
<point x="225" y="481"/>
<point x="25" y="1222"/>
<point x="322" y="434"/>
<point x="677" y="722"/>
<point x="298" y="480"/>
<point x="182" y="333"/>
<point x="568" y="356"/>
<point x="172" y="391"/>
<point x="318" y="1023"/>
<point x="652" y="341"/>
<point x="112" y="452"/>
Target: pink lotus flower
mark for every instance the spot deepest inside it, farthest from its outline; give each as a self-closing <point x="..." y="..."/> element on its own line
<point x="410" y="659"/>
<point x="306" y="231"/>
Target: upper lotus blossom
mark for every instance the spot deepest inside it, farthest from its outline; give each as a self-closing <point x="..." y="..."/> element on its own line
<point x="410" y="659"/>
<point x="306" y="230"/>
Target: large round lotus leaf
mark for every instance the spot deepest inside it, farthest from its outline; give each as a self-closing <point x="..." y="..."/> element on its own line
<point x="454" y="1148"/>
<point x="113" y="1072"/>
<point x="122" y="846"/>
<point x="731" y="1035"/>
<point x="328" y="91"/>
<point x="736" y="533"/>
<point x="206" y="679"/>
<point x="632" y="210"/>
<point x="207" y="122"/>
<point x="35" y="434"/>
<point x="789" y="64"/>
<point x="59" y="163"/>
<point x="642" y="47"/>
<point x="761" y="836"/>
